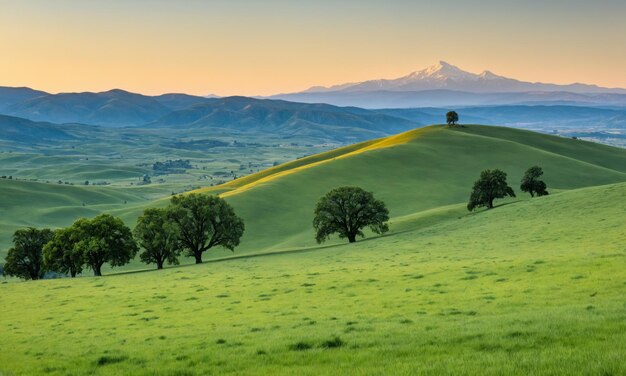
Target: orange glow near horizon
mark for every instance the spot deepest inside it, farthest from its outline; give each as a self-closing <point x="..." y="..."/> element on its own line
<point x="260" y="48"/>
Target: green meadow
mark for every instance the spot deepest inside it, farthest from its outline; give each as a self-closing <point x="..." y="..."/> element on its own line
<point x="534" y="286"/>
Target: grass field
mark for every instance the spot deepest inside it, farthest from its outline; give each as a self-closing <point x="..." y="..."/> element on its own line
<point x="531" y="287"/>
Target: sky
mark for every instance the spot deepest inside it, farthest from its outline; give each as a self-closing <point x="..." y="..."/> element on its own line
<point x="247" y="47"/>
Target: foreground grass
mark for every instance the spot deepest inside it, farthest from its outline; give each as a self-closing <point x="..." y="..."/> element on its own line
<point x="530" y="287"/>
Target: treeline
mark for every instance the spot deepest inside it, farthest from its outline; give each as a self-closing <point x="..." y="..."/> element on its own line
<point x="178" y="165"/>
<point x="191" y="225"/>
<point x="346" y="211"/>
<point x="492" y="184"/>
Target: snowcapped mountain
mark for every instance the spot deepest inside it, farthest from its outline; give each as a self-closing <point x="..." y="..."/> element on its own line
<point x="449" y="77"/>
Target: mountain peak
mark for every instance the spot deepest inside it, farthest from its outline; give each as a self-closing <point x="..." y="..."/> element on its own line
<point x="445" y="65"/>
<point x="489" y="75"/>
<point x="440" y="71"/>
<point x="118" y="92"/>
<point x="445" y="76"/>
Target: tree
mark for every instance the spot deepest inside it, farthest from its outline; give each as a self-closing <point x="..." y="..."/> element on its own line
<point x="25" y="258"/>
<point x="491" y="185"/>
<point x="204" y="222"/>
<point x="346" y="211"/>
<point x="532" y="184"/>
<point x="158" y="235"/>
<point x="61" y="255"/>
<point x="452" y="118"/>
<point x="104" y="239"/>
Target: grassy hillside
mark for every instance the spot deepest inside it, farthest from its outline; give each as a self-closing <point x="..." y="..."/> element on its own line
<point x="533" y="287"/>
<point x="26" y="203"/>
<point x="414" y="171"/>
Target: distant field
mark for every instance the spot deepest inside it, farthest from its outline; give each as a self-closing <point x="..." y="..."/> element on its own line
<point x="121" y="157"/>
<point x="26" y="203"/>
<point x="531" y="287"/>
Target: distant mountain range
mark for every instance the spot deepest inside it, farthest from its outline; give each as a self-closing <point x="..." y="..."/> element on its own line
<point x="441" y="85"/>
<point x="115" y="107"/>
<point x="285" y="118"/>
<point x="44" y="117"/>
<point x="449" y="77"/>
<point x="13" y="95"/>
<point x="444" y="84"/>
<point x="343" y="113"/>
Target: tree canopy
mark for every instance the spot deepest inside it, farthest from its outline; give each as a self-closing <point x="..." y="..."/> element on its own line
<point x="490" y="186"/>
<point x="158" y="235"/>
<point x="25" y="258"/>
<point x="532" y="184"/>
<point x="452" y="118"/>
<point x="347" y="211"/>
<point x="61" y="255"/>
<point x="104" y="239"/>
<point x="204" y="222"/>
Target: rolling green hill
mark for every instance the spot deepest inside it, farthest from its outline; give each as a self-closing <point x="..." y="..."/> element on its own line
<point x="412" y="172"/>
<point x="27" y="203"/>
<point x="534" y="287"/>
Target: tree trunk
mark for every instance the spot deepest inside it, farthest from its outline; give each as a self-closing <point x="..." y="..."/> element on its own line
<point x="72" y="273"/>
<point x="351" y="238"/>
<point x="198" y="256"/>
<point x="490" y="205"/>
<point x="97" y="270"/>
<point x="34" y="273"/>
<point x="159" y="264"/>
<point x="532" y="194"/>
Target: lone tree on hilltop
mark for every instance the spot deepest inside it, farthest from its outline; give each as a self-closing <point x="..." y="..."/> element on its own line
<point x="25" y="258"/>
<point x="158" y="235"/>
<point x="491" y="185"/>
<point x="61" y="255"/>
<point x="104" y="239"/>
<point x="204" y="222"/>
<point x="346" y="211"/>
<point x="532" y="184"/>
<point x="452" y="118"/>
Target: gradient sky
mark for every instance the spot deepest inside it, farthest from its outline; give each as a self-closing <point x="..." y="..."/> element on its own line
<point x="266" y="47"/>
